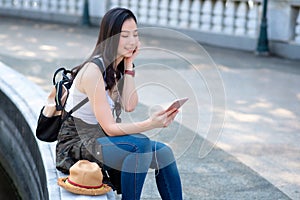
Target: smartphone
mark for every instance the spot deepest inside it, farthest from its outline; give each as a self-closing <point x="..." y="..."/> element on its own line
<point x="177" y="103"/>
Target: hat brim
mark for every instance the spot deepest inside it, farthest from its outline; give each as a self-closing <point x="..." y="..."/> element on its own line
<point x="78" y="190"/>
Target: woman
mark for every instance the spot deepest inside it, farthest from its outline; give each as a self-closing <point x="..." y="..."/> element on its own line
<point x="92" y="133"/>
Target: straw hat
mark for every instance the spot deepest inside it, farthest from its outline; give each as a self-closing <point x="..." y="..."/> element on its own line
<point x="85" y="178"/>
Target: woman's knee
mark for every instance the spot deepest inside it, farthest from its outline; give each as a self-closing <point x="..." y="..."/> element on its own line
<point x="163" y="155"/>
<point x="162" y="148"/>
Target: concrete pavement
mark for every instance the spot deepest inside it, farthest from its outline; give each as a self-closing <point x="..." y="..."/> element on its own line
<point x="256" y="156"/>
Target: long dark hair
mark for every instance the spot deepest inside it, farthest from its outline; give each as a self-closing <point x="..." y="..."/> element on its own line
<point x="107" y="43"/>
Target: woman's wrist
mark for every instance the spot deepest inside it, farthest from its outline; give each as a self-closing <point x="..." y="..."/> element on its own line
<point x="148" y="124"/>
<point x="130" y="72"/>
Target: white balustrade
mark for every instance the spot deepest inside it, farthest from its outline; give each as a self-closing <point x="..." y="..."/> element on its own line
<point x="195" y="14"/>
<point x="297" y="28"/>
<point x="240" y="21"/>
<point x="206" y="15"/>
<point x="184" y="16"/>
<point x="218" y="15"/>
<point x="239" y="17"/>
<point x="174" y="13"/>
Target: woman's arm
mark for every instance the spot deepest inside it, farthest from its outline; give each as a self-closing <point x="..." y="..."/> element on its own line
<point x="129" y="94"/>
<point x="92" y="83"/>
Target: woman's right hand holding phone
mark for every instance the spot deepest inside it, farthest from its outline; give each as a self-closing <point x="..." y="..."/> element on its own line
<point x="163" y="118"/>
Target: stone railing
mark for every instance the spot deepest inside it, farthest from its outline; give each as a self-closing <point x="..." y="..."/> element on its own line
<point x="218" y="16"/>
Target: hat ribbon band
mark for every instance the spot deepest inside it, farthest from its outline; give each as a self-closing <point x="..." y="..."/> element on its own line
<point x="84" y="186"/>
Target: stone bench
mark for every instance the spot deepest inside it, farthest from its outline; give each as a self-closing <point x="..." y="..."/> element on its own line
<point x="34" y="161"/>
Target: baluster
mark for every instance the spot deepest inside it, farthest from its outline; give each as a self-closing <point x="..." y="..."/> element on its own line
<point x="206" y="15"/>
<point x="297" y="28"/>
<point x="26" y="4"/>
<point x="36" y="5"/>
<point x="229" y="17"/>
<point x="163" y="12"/>
<point x="195" y="14"/>
<point x="15" y="4"/>
<point x="79" y="7"/>
<point x="217" y="19"/>
<point x="72" y="7"/>
<point x="240" y="21"/>
<point x="174" y="12"/>
<point x="44" y="5"/>
<point x="252" y="22"/>
<point x="143" y="11"/>
<point x="184" y="14"/>
<point x="53" y="5"/>
<point x="153" y="12"/>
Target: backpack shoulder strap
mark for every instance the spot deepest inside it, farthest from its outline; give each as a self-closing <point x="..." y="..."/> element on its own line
<point x="81" y="103"/>
<point x="99" y="63"/>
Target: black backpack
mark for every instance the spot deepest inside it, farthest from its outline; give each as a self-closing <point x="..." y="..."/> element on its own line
<point x="52" y="114"/>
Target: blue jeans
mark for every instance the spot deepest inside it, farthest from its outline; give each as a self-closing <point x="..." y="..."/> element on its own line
<point x="134" y="155"/>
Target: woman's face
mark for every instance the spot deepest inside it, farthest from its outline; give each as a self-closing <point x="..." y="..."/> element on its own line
<point x="128" y="38"/>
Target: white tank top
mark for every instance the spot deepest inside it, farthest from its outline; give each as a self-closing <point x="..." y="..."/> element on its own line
<point x="85" y="112"/>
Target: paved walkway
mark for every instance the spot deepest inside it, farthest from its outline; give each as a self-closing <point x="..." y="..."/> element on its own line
<point x="247" y="106"/>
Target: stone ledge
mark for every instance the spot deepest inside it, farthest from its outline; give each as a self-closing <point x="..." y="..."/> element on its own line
<point x="28" y="99"/>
